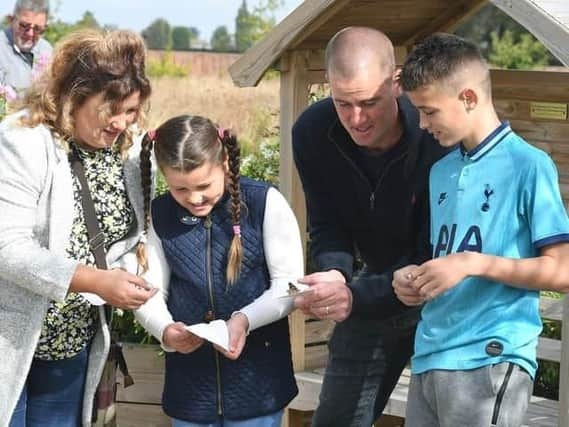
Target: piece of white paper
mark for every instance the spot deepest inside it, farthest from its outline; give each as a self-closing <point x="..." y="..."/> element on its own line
<point x="214" y="332"/>
<point x="94" y="299"/>
<point x="296" y="289"/>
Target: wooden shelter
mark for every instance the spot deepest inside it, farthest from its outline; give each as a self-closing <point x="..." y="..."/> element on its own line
<point x="535" y="102"/>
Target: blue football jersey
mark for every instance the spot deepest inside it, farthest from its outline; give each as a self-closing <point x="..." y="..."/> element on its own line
<point x="502" y="198"/>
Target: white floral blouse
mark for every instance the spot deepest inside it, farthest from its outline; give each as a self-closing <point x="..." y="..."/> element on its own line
<point x="70" y="325"/>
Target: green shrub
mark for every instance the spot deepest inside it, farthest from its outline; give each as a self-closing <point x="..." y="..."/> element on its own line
<point x="263" y="164"/>
<point x="521" y="51"/>
<point x="262" y="125"/>
<point x="166" y="67"/>
<point x="129" y="330"/>
<point x="161" y="186"/>
<point x="546" y="382"/>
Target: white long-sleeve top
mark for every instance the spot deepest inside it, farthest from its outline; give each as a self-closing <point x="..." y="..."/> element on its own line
<point x="285" y="263"/>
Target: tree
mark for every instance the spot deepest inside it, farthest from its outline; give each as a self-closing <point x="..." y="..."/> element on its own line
<point x="487" y="20"/>
<point x="523" y="53"/>
<point x="194" y="33"/>
<point x="243" y="30"/>
<point x="87" y="21"/>
<point x="489" y="25"/>
<point x="221" y="40"/>
<point x="56" y="30"/>
<point x="157" y="34"/>
<point x="250" y="27"/>
<point x="181" y="38"/>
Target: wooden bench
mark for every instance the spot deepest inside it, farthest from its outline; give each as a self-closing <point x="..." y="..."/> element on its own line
<point x="315" y="333"/>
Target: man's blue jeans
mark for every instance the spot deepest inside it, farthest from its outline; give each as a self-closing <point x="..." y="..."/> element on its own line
<point x="53" y="393"/>
<point x="366" y="358"/>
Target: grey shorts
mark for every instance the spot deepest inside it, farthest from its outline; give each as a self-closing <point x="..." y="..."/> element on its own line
<point x="491" y="396"/>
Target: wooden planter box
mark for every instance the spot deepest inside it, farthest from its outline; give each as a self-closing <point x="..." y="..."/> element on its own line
<point x="140" y="404"/>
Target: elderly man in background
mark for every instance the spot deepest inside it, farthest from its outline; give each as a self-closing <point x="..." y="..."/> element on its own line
<point x="22" y="50"/>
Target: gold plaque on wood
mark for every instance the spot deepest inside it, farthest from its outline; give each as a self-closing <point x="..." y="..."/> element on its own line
<point x="548" y="110"/>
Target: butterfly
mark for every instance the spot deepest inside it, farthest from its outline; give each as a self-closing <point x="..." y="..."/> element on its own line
<point x="292" y="289"/>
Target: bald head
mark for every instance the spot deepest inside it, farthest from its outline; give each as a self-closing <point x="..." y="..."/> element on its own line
<point x="354" y="50"/>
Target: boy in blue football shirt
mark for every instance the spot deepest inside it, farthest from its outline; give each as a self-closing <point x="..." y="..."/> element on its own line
<point x="499" y="232"/>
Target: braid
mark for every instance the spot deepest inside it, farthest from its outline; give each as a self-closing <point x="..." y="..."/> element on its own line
<point x="229" y="141"/>
<point x="146" y="181"/>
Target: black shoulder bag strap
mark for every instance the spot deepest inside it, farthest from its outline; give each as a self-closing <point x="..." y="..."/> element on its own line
<point x="96" y="236"/>
<point x="97" y="245"/>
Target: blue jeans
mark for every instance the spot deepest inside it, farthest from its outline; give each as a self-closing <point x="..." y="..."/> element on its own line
<point x="271" y="420"/>
<point x="366" y="358"/>
<point x="53" y="393"/>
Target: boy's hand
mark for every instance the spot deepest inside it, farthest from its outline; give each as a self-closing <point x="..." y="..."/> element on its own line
<point x="441" y="274"/>
<point x="176" y="336"/>
<point x="237" y="327"/>
<point x="403" y="286"/>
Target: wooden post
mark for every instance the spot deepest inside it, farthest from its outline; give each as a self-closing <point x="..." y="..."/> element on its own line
<point x="400" y="53"/>
<point x="294" y="99"/>
<point x="564" y="368"/>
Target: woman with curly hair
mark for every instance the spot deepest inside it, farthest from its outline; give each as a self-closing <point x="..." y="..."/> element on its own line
<point x="54" y="338"/>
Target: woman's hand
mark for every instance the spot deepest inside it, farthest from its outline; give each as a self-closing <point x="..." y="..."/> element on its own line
<point x="117" y="287"/>
<point x="124" y="290"/>
<point x="237" y="327"/>
<point x="176" y="336"/>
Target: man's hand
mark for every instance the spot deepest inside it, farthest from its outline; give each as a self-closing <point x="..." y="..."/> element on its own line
<point x="330" y="297"/>
<point x="441" y="274"/>
<point x="237" y="327"/>
<point x="176" y="336"/>
<point x="403" y="286"/>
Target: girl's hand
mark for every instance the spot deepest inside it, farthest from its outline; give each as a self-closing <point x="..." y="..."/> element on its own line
<point x="237" y="327"/>
<point x="176" y="336"/>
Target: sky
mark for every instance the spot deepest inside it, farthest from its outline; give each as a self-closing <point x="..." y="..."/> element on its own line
<point x="206" y="15"/>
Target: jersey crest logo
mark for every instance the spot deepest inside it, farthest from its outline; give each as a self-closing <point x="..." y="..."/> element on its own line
<point x="442" y="198"/>
<point x="487" y="193"/>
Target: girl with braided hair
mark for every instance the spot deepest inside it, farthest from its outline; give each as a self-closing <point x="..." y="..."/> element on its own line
<point x="219" y="247"/>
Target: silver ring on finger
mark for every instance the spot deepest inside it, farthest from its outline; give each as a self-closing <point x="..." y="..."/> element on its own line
<point x="327" y="310"/>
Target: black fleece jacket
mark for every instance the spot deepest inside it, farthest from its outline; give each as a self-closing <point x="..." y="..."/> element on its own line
<point x="385" y="224"/>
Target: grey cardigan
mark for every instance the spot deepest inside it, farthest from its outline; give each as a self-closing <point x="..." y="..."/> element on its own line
<point x="36" y="214"/>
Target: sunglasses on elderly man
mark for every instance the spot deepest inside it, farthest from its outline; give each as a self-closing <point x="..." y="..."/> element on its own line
<point x="25" y="26"/>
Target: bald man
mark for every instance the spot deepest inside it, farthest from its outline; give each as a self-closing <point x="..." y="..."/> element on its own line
<point x="364" y="165"/>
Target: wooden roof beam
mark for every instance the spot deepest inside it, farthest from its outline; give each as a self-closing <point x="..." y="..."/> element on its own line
<point x="454" y="15"/>
<point x="291" y="31"/>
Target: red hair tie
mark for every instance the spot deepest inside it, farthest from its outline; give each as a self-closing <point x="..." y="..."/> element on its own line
<point x="237" y="230"/>
<point x="152" y="134"/>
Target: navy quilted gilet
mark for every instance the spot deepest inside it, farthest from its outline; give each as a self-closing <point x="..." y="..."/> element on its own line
<point x="202" y="385"/>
